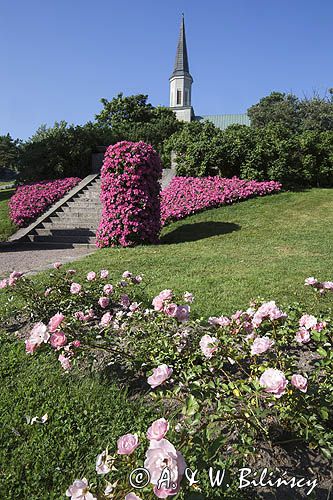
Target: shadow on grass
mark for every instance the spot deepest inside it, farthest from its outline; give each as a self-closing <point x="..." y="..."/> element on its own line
<point x="6" y="194"/>
<point x="199" y="231"/>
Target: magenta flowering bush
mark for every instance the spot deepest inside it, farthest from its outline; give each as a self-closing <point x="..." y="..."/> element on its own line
<point x="188" y="195"/>
<point x="130" y="195"/>
<point x="224" y="387"/>
<point x="31" y="200"/>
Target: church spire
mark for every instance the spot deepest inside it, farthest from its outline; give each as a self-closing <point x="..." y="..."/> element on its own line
<point x="181" y="63"/>
<point x="181" y="80"/>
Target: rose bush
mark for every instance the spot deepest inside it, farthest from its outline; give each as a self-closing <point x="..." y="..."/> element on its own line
<point x="222" y="387"/>
<point x="31" y="200"/>
<point x="130" y="195"/>
<point x="188" y="195"/>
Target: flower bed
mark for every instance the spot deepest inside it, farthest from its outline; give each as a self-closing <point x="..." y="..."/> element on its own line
<point x="225" y="387"/>
<point x="188" y="195"/>
<point x="32" y="200"/>
<point x="130" y="195"/>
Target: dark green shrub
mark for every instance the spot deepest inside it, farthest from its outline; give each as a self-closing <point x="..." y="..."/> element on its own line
<point x="61" y="151"/>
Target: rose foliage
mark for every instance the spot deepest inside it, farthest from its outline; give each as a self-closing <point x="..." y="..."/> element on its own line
<point x="221" y="386"/>
<point x="31" y="200"/>
<point x="130" y="195"/>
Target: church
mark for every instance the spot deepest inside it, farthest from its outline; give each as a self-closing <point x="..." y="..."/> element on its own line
<point x="181" y="91"/>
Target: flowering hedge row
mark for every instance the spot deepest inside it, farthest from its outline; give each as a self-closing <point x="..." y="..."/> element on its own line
<point x="130" y="195"/>
<point x="31" y="200"/>
<point x="222" y="386"/>
<point x="188" y="195"/>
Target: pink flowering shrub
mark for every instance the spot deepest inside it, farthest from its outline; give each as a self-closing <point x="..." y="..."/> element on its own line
<point x="130" y="195"/>
<point x="188" y="195"/>
<point x="31" y="200"/>
<point x="223" y="386"/>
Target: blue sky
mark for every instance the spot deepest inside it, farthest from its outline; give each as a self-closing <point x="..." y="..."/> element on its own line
<point x="58" y="58"/>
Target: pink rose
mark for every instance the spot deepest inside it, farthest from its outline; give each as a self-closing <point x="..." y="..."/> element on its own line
<point x="158" y="429"/>
<point x="13" y="277"/>
<point x="57" y="265"/>
<point x="274" y="381"/>
<point x="158" y="303"/>
<point x="188" y="297"/>
<point x="91" y="276"/>
<point x="320" y="326"/>
<point x="221" y="321"/>
<point x="58" y="339"/>
<point x="75" y="288"/>
<point x="171" y="310"/>
<point x="159" y="376"/>
<point x="261" y="344"/>
<point x="125" y="300"/>
<point x="127" y="444"/>
<point x="208" y="345"/>
<point x="127" y="274"/>
<point x="79" y="490"/>
<point x="303" y="336"/>
<point x="132" y="496"/>
<point x="268" y="310"/>
<point x="183" y="313"/>
<point x="106" y="319"/>
<point x="103" y="463"/>
<point x="134" y="306"/>
<point x="327" y="285"/>
<point x="137" y="279"/>
<point x="104" y="302"/>
<point x="30" y="347"/>
<point x="299" y="382"/>
<point x="104" y="273"/>
<point x="39" y="334"/>
<point x="308" y="321"/>
<point x="55" y="321"/>
<point x="159" y="455"/>
<point x="311" y="281"/>
<point x="166" y="294"/>
<point x="76" y="343"/>
<point x="65" y="362"/>
<point x="108" y="289"/>
<point x="3" y="283"/>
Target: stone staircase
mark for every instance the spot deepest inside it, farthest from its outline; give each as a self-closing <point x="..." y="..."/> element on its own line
<point x="73" y="223"/>
<point x="74" y="219"/>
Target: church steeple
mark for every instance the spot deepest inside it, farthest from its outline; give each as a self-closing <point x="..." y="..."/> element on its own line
<point x="181" y="63"/>
<point x="181" y="80"/>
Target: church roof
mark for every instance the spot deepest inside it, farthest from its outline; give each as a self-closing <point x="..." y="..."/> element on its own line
<point x="181" y="67"/>
<point x="224" y="121"/>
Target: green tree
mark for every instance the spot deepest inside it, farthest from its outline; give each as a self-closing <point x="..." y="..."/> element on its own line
<point x="62" y="150"/>
<point x="198" y="149"/>
<point x="9" y="149"/>
<point x="122" y="111"/>
<point x="133" y="118"/>
<point x="316" y="113"/>
<point x="277" y="108"/>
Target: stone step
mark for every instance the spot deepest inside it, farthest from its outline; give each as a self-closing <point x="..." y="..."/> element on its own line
<point x="62" y="225"/>
<point x="89" y="204"/>
<point x="65" y="232"/>
<point x="75" y="222"/>
<point x="35" y="238"/>
<point x="77" y="213"/>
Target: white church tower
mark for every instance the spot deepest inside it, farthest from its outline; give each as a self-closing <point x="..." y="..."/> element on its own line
<point x="181" y="81"/>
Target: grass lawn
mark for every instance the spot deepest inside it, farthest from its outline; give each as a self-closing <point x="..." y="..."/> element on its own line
<point x="6" y="226"/>
<point x="226" y="256"/>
